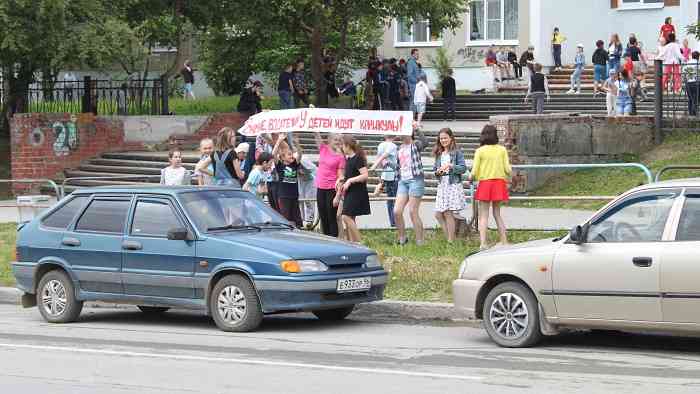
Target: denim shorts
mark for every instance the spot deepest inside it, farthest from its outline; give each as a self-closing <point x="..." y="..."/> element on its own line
<point x="420" y="108"/>
<point x="624" y="105"/>
<point x="412" y="187"/>
<point x="188" y="87"/>
<point x="599" y="71"/>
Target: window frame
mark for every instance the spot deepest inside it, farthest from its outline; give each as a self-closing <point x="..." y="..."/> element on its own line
<point x="670" y="226"/>
<point x="77" y="213"/>
<point x="158" y="200"/>
<point x="405" y="44"/>
<point x="695" y="191"/>
<point x="640" y="5"/>
<point x="487" y="42"/>
<point x="127" y="198"/>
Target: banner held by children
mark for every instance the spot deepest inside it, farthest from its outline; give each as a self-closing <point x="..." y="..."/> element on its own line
<point x="329" y="120"/>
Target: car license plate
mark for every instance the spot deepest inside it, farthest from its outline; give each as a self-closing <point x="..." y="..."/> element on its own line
<point x="354" y="284"/>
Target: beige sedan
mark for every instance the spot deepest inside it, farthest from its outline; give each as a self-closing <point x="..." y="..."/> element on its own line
<point x="634" y="265"/>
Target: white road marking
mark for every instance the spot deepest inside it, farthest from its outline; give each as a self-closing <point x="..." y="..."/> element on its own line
<point x="238" y="361"/>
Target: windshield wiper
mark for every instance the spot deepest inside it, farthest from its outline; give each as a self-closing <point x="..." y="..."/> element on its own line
<point x="234" y="227"/>
<point x="281" y="224"/>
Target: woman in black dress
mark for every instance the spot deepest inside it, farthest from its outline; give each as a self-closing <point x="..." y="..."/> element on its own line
<point x="354" y="190"/>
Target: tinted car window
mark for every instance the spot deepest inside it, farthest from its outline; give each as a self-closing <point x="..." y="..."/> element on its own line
<point x="62" y="217"/>
<point x="153" y="218"/>
<point x="212" y="209"/>
<point x="636" y="219"/>
<point x="689" y="224"/>
<point x="106" y="216"/>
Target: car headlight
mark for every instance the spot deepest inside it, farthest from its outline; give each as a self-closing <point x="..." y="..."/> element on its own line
<point x="296" y="266"/>
<point x="372" y="261"/>
<point x="462" y="268"/>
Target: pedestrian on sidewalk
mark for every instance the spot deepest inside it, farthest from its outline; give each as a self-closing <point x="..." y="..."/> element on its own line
<point x="611" y="93"/>
<point x="204" y="177"/>
<point x="580" y="63"/>
<point x="330" y="174"/>
<point x="285" y="87"/>
<point x="175" y="174"/>
<point x="557" y="40"/>
<point x="449" y="168"/>
<point x="600" y="63"/>
<point x="354" y="190"/>
<point x="449" y="95"/>
<point x="411" y="187"/>
<point x="421" y="98"/>
<point x="287" y="167"/>
<point x="624" y="94"/>
<point x="491" y="169"/>
<point x="614" y="52"/>
<point x="538" y="89"/>
<point x="227" y="167"/>
<point x="387" y="163"/>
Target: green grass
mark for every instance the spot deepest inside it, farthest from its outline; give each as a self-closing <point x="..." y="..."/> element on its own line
<point x="8" y="232"/>
<point x="425" y="273"/>
<point x="213" y="105"/>
<point x="678" y="148"/>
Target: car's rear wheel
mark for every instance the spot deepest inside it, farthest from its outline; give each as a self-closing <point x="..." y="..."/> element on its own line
<point x="511" y="315"/>
<point x="55" y="298"/>
<point x="334" y="314"/>
<point x="235" y="305"/>
<point x="153" y="310"/>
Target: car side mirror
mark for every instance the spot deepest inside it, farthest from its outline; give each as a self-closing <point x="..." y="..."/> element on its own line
<point x="577" y="235"/>
<point x="178" y="234"/>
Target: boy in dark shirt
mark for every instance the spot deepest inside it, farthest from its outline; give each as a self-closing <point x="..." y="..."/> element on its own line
<point x="600" y="62"/>
<point x="449" y="94"/>
<point x="287" y="167"/>
<point x="513" y="60"/>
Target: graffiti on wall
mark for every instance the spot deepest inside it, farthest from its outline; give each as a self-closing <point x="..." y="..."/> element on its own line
<point x="476" y="55"/>
<point x="66" y="137"/>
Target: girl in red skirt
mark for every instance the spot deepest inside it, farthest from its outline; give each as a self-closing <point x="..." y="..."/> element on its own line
<point x="491" y="168"/>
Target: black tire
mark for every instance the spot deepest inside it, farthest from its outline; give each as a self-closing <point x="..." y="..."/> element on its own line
<point x="498" y="329"/>
<point x="153" y="310"/>
<point x="66" y="293"/>
<point x="334" y="314"/>
<point x="252" y="312"/>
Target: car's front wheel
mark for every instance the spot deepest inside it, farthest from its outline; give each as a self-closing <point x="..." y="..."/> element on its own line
<point x="334" y="314"/>
<point x="234" y="304"/>
<point x="55" y="297"/>
<point x="511" y="316"/>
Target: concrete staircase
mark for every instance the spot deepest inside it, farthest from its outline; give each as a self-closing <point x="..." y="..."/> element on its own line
<point x="146" y="166"/>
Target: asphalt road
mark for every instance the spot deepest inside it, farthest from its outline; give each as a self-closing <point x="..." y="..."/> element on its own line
<point x="123" y="351"/>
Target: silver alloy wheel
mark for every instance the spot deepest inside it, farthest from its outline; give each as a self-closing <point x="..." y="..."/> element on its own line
<point x="509" y="316"/>
<point x="54" y="298"/>
<point x="231" y="304"/>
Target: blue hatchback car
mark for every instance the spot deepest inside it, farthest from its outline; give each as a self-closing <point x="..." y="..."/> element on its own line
<point x="216" y="249"/>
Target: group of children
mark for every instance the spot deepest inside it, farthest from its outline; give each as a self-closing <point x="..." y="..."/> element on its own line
<point x="504" y="62"/>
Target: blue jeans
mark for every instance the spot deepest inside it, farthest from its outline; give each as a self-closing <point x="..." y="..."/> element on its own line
<point x="286" y="101"/>
<point x="412" y="92"/>
<point x="614" y="64"/>
<point x="576" y="78"/>
<point x="390" y="189"/>
<point x="624" y="105"/>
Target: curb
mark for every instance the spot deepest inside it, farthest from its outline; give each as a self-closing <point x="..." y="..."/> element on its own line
<point x="384" y="311"/>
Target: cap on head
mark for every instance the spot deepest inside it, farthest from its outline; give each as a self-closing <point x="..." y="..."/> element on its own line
<point x="242" y="147"/>
<point x="579" y="46"/>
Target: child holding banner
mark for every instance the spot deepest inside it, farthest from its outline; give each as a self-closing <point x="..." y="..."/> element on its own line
<point x="287" y="168"/>
<point x="329" y="174"/>
<point x="411" y="187"/>
<point x="354" y="190"/>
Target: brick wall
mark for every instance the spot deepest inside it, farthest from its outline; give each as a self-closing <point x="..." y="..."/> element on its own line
<point x="209" y="129"/>
<point x="43" y="145"/>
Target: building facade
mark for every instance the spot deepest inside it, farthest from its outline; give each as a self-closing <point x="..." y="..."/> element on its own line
<point x="520" y="23"/>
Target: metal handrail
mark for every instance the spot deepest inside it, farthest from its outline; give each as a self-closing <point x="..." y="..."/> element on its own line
<point x="53" y="184"/>
<point x="66" y="181"/>
<point x="645" y="169"/>
<point x="674" y="167"/>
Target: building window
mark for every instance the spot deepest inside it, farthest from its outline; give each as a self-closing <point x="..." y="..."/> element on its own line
<point x="637" y="4"/>
<point x="493" y="21"/>
<point x="412" y="32"/>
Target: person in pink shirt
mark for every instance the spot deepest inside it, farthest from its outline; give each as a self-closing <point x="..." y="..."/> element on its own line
<point x="329" y="176"/>
<point x="685" y="51"/>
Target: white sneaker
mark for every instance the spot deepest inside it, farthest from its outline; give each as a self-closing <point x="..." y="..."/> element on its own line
<point x="571" y="91"/>
<point x="578" y="92"/>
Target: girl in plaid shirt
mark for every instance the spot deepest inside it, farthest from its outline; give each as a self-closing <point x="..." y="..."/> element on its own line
<point x="411" y="185"/>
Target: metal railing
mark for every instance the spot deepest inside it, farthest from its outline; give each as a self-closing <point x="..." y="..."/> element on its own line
<point x="51" y="183"/>
<point x="674" y="168"/>
<point x="677" y="95"/>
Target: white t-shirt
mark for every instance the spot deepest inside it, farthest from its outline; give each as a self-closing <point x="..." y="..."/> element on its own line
<point x="206" y="178"/>
<point x="390" y="149"/>
<point x="422" y="93"/>
<point x="174" y="176"/>
<point x="444" y="160"/>
<point x="405" y="162"/>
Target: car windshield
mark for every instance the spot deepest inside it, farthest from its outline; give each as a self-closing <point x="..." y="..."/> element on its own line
<point x="218" y="210"/>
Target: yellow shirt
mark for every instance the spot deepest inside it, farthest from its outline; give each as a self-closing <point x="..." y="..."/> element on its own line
<point x="491" y="162"/>
<point x="558" y="39"/>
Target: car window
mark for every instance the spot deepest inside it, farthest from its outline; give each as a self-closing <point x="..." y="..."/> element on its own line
<point x="640" y="218"/>
<point x="105" y="216"/>
<point x="210" y="209"/>
<point x="154" y="218"/>
<point x="61" y="218"/>
<point x="689" y="223"/>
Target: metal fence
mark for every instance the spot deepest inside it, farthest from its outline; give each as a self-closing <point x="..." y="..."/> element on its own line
<point x="677" y="95"/>
<point x="101" y="97"/>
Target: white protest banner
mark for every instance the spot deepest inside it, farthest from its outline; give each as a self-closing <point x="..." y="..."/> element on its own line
<point x="329" y="120"/>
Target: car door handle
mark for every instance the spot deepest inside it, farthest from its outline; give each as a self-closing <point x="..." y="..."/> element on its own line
<point x="642" y="261"/>
<point x="70" y="241"/>
<point x="132" y="245"/>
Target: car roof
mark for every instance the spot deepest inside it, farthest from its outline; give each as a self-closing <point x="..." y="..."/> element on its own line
<point x="156" y="189"/>
<point x="684" y="182"/>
